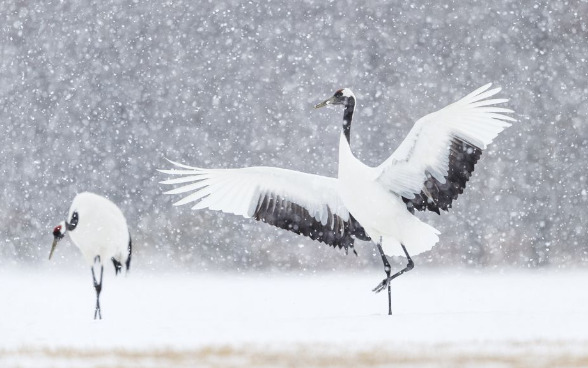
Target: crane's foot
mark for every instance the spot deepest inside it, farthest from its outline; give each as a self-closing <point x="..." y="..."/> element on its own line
<point x="383" y="285"/>
<point x="97" y="313"/>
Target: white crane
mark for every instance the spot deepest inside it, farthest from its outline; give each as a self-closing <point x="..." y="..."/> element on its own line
<point x="427" y="171"/>
<point x="99" y="229"/>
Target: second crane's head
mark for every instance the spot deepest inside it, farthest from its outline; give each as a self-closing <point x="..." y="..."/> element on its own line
<point x="60" y="230"/>
<point x="342" y="97"/>
<point x="58" y="234"/>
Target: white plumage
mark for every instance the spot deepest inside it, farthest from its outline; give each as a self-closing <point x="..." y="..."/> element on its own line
<point x="238" y="191"/>
<point x="102" y="228"/>
<point x="427" y="172"/>
<point x="425" y="151"/>
<point x="99" y="229"/>
<point x="472" y="119"/>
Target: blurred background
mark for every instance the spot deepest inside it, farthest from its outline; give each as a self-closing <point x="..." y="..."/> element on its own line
<point x="94" y="95"/>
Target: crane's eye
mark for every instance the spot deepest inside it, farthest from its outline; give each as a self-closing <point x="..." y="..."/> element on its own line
<point x="74" y="221"/>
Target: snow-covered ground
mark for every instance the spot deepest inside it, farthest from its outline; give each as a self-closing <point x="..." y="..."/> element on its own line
<point x="441" y="319"/>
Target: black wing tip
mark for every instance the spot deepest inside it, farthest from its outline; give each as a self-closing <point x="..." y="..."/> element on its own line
<point x="463" y="156"/>
<point x="279" y="212"/>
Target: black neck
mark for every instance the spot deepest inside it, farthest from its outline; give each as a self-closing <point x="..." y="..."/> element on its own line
<point x="347" y="116"/>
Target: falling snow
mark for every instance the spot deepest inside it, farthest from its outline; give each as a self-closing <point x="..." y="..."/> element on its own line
<point x="96" y="95"/>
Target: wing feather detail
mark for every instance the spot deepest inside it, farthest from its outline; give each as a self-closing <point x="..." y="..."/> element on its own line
<point x="432" y="165"/>
<point x="303" y="203"/>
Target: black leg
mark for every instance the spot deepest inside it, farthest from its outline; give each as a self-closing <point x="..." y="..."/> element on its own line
<point x="387" y="269"/>
<point x="386" y="282"/>
<point x="97" y="286"/>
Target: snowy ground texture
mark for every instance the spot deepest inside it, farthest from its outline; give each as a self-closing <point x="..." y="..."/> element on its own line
<point x="441" y="319"/>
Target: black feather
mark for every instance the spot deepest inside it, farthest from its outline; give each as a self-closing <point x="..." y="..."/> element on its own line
<point x="435" y="196"/>
<point x="280" y="212"/>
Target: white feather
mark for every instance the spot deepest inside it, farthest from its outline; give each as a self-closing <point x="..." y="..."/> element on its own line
<point x="101" y="230"/>
<point x="238" y="191"/>
<point x="425" y="148"/>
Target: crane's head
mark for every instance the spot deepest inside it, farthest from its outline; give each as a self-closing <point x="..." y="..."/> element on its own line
<point x="341" y="97"/>
<point x="58" y="234"/>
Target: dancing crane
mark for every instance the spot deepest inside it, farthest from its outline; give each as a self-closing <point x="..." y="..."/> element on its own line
<point x="427" y="171"/>
<point x="99" y="229"/>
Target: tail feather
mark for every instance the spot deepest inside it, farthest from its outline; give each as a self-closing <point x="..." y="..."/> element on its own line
<point x="417" y="237"/>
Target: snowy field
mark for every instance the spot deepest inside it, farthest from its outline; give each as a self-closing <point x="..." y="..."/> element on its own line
<point x="441" y="319"/>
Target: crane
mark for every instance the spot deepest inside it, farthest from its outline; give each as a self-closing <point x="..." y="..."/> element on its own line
<point x="99" y="229"/>
<point x="427" y="172"/>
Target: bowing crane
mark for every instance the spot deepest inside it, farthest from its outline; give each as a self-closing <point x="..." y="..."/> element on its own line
<point x="99" y="229"/>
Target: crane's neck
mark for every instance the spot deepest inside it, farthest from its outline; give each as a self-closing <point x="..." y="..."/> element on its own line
<point x="347" y="117"/>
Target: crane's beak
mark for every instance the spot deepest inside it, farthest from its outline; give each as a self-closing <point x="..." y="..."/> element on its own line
<point x="58" y="234"/>
<point x="53" y="246"/>
<point x="325" y="103"/>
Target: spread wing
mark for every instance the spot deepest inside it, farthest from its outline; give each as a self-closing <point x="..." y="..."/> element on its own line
<point x="303" y="203"/>
<point x="431" y="166"/>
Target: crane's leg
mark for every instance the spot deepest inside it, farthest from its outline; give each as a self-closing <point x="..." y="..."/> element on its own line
<point x="386" y="282"/>
<point x="97" y="286"/>
<point x="387" y="269"/>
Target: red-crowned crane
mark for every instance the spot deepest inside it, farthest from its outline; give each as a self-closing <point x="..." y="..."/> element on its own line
<point x="427" y="171"/>
<point x="99" y="229"/>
